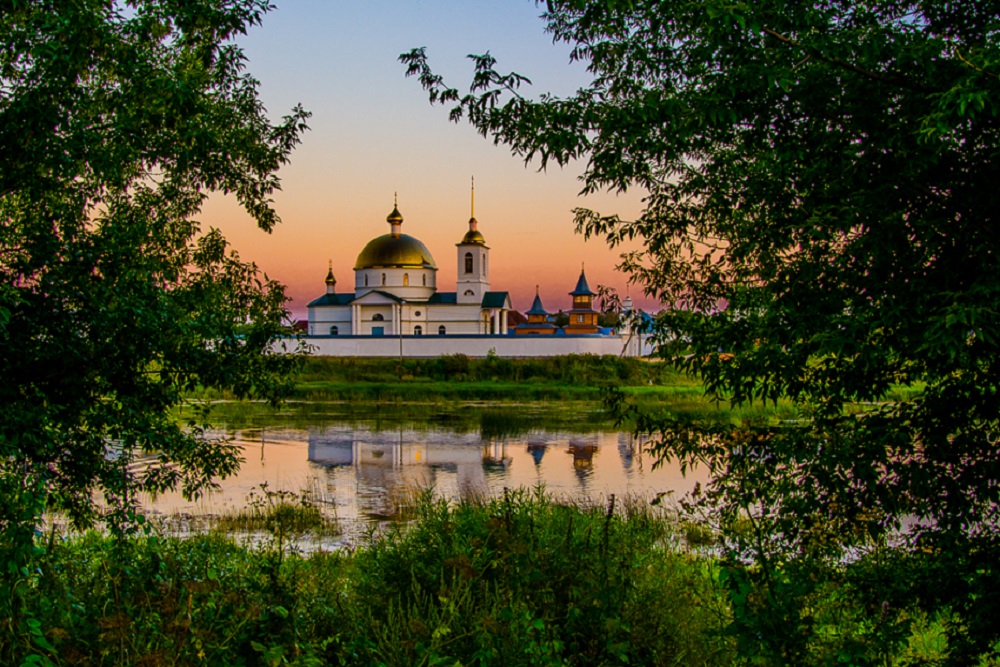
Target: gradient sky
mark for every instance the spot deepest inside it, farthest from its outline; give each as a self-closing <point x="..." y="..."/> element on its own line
<point x="374" y="133"/>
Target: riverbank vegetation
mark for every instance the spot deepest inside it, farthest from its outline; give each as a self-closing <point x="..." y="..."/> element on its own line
<point x="515" y="580"/>
<point x="798" y="163"/>
<point x="453" y="376"/>
<point x="457" y="390"/>
<point x="455" y="379"/>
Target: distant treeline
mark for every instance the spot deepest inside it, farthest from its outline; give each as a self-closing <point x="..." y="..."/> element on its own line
<point x="577" y="369"/>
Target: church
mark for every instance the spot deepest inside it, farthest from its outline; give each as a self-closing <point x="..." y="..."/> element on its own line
<point x="395" y="308"/>
<point x="395" y="291"/>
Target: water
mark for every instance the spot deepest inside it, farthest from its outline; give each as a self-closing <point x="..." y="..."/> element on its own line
<point x="367" y="471"/>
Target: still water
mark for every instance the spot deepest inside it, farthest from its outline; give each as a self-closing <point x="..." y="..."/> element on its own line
<point x="366" y="470"/>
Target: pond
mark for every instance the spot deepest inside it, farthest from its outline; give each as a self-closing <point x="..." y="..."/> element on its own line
<point x="365" y="464"/>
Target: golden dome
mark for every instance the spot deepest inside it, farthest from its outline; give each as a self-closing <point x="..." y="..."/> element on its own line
<point x="395" y="216"/>
<point x="473" y="236"/>
<point x="390" y="250"/>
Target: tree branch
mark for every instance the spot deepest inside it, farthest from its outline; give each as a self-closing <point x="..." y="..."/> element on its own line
<point x="875" y="76"/>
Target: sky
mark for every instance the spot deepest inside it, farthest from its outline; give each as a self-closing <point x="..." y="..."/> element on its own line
<point x="373" y="134"/>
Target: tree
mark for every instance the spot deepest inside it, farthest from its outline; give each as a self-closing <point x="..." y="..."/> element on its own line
<point x="117" y="119"/>
<point x="821" y="205"/>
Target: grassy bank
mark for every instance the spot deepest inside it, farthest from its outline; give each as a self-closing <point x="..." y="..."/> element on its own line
<point x="515" y="581"/>
<point x="452" y="389"/>
<point x="458" y="377"/>
<point x="518" y="580"/>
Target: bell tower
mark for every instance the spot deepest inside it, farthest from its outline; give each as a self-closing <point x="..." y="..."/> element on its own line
<point x="473" y="261"/>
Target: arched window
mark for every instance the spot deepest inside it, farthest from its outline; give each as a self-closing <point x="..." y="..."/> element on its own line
<point x="469" y="292"/>
<point x="366" y="280"/>
<point x="383" y="280"/>
<point x="484" y="264"/>
<point x="377" y="317"/>
<point x="424" y="277"/>
<point x="334" y="331"/>
<point x="418" y="330"/>
<point x="441" y="330"/>
<point x="468" y="262"/>
<point x="406" y="279"/>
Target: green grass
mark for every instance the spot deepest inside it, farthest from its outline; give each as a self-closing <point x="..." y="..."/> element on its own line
<point x="285" y="516"/>
<point x="516" y="580"/>
<point x="574" y="370"/>
<point x="512" y="581"/>
<point x="419" y="390"/>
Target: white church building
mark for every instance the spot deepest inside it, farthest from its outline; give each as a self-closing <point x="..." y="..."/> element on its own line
<point x="395" y="291"/>
<point x="395" y="308"/>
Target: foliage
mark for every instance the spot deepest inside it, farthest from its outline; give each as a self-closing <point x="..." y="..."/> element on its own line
<point x="116" y="121"/>
<point x="573" y="369"/>
<point x="522" y="580"/>
<point x="285" y="516"/>
<point x="820" y="185"/>
<point x="517" y="580"/>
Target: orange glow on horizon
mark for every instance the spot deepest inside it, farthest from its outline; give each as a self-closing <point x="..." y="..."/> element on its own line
<point x="373" y="133"/>
<point x="530" y="242"/>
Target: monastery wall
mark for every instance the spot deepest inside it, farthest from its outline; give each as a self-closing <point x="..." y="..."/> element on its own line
<point x="472" y="345"/>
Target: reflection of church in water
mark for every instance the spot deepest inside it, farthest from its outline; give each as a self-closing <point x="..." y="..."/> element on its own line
<point x="461" y="465"/>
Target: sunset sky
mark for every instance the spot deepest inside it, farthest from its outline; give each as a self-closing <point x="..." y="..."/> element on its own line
<point x="373" y="133"/>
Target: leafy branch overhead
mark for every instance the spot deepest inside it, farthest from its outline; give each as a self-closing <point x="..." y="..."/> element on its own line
<point x="820" y="206"/>
<point x="117" y="121"/>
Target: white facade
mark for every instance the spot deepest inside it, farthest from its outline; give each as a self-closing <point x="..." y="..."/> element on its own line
<point x="473" y="273"/>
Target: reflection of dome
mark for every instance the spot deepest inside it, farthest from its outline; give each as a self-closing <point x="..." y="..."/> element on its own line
<point x="390" y="250"/>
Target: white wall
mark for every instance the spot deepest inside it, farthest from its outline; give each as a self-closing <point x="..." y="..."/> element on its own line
<point x="321" y="318"/>
<point x="433" y="345"/>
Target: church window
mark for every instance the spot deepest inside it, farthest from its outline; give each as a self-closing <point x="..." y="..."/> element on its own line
<point x="418" y="330"/>
<point x="469" y="292"/>
<point x="579" y="318"/>
<point x="416" y="314"/>
<point x="441" y="330"/>
<point x="378" y="317"/>
<point x="468" y="262"/>
<point x="383" y="280"/>
<point x="406" y="279"/>
<point x="334" y="331"/>
<point x="424" y="278"/>
<point x="366" y="280"/>
<point x="484" y="264"/>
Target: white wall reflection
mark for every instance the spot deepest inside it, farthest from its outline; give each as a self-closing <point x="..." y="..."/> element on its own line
<point x="367" y="474"/>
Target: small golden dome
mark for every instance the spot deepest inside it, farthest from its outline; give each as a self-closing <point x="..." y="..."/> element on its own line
<point x="390" y="250"/>
<point x="395" y="216"/>
<point x="473" y="236"/>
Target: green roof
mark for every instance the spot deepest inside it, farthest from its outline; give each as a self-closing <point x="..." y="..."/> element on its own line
<point x="332" y="300"/>
<point x="495" y="299"/>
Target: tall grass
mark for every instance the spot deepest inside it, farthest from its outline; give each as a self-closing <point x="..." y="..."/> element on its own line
<point x="515" y="580"/>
